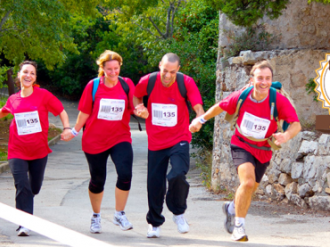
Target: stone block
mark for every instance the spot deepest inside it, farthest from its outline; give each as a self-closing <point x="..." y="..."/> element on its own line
<point x="327" y="190"/>
<point x="280" y="189"/>
<point x="235" y="60"/>
<point x="297" y="200"/>
<point x="284" y="179"/>
<point x="319" y="202"/>
<point x="318" y="186"/>
<point x="297" y="170"/>
<point x="285" y="165"/>
<point x="324" y="139"/>
<point x="269" y="190"/>
<point x="307" y="147"/>
<point x="304" y="190"/>
<point x="290" y="189"/>
<point x="328" y="179"/>
<point x="309" y="169"/>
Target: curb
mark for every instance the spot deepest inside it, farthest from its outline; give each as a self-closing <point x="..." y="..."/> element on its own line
<point x="5" y="166"/>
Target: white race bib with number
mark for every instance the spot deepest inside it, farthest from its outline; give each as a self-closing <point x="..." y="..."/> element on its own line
<point x="111" y="109"/>
<point x="165" y="115"/>
<point x="254" y="126"/>
<point x="27" y="123"/>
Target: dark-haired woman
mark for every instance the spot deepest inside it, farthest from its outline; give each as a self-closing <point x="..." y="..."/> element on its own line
<point x="28" y="143"/>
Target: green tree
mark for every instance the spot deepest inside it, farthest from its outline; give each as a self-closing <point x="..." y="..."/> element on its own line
<point x="248" y="12"/>
<point x="39" y="29"/>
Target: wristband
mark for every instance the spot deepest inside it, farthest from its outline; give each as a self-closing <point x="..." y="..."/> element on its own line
<point x="74" y="132"/>
<point x="202" y="120"/>
<point x="66" y="128"/>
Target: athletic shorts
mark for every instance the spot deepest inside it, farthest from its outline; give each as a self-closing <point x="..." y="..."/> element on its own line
<point x="241" y="156"/>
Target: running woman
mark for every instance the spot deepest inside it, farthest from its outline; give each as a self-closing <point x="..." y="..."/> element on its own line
<point x="105" y="120"/>
<point x="28" y="135"/>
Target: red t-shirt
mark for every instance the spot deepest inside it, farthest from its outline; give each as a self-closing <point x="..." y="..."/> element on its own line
<point x="33" y="145"/>
<point x="105" y="126"/>
<point x="262" y="110"/>
<point x="170" y="109"/>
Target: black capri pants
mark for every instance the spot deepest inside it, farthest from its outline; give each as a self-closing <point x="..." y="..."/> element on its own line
<point x="28" y="176"/>
<point x="122" y="156"/>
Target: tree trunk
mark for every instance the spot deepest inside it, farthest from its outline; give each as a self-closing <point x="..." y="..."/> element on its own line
<point x="10" y="82"/>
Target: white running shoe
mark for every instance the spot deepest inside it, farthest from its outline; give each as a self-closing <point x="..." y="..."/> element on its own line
<point x="230" y="218"/>
<point x="22" y="231"/>
<point x="153" y="231"/>
<point x="239" y="234"/>
<point x="122" y="221"/>
<point x="181" y="222"/>
<point x="95" y="224"/>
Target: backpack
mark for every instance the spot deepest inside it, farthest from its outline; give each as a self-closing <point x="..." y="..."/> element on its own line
<point x="96" y="83"/>
<point x="281" y="125"/>
<point x="181" y="86"/>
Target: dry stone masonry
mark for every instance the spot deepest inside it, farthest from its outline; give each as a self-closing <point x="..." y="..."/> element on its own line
<point x="300" y="171"/>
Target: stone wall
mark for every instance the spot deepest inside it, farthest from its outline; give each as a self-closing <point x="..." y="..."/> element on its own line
<point x="300" y="171"/>
<point x="301" y="25"/>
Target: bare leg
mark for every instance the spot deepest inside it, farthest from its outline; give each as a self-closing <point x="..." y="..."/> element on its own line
<point x="96" y="200"/>
<point x="245" y="190"/>
<point x="121" y="199"/>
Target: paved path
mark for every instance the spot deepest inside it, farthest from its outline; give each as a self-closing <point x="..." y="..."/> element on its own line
<point x="64" y="200"/>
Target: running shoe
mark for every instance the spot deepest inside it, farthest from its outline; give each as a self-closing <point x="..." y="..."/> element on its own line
<point x="153" y="231"/>
<point x="181" y="222"/>
<point x="230" y="218"/>
<point x="95" y="224"/>
<point x="122" y="221"/>
<point x="22" y="231"/>
<point x="239" y="234"/>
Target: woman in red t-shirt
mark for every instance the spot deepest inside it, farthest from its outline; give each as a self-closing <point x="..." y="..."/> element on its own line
<point x="28" y="144"/>
<point x="105" y="116"/>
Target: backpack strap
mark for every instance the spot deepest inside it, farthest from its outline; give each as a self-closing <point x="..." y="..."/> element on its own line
<point x="232" y="119"/>
<point x="183" y="89"/>
<point x="96" y="83"/>
<point x="151" y="82"/>
<point x="126" y="89"/>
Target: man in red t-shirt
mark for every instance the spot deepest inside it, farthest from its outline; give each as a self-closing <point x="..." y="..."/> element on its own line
<point x="168" y="140"/>
<point x="251" y="158"/>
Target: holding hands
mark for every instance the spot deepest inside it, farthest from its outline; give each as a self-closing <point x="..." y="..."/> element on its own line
<point x="141" y="111"/>
<point x="67" y="135"/>
<point x="195" y="125"/>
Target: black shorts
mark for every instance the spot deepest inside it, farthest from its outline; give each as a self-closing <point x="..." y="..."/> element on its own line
<point x="241" y="156"/>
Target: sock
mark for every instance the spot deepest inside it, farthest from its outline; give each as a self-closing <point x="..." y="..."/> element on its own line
<point x="97" y="214"/>
<point x="119" y="213"/>
<point x="239" y="221"/>
<point x="231" y="208"/>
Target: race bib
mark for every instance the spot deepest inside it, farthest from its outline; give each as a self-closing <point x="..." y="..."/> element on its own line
<point x="27" y="123"/>
<point x="165" y="115"/>
<point x="111" y="109"/>
<point x="254" y="126"/>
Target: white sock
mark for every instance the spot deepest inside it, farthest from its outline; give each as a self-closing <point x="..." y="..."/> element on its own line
<point x="97" y="214"/>
<point x="231" y="208"/>
<point x="118" y="213"/>
<point x="239" y="221"/>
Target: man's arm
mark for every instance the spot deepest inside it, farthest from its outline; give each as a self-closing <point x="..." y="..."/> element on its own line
<point x="199" y="110"/>
<point x="196" y="124"/>
<point x="291" y="132"/>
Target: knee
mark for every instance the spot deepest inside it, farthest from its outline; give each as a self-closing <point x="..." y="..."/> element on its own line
<point x="176" y="177"/>
<point x="248" y="184"/>
<point x="124" y="182"/>
<point x="96" y="187"/>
